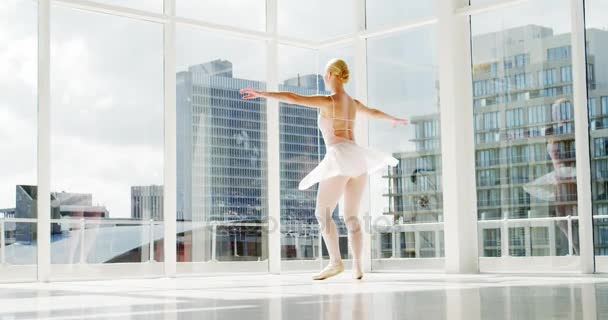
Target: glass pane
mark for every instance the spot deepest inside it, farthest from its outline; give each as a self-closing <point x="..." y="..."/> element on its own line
<point x="597" y="85"/>
<point x="384" y="13"/>
<point x="524" y="130"/>
<point x="317" y="20"/>
<point x="146" y="5"/>
<point x="404" y="82"/>
<point x="221" y="149"/>
<point x="18" y="134"/>
<point x="302" y="149"/>
<point x="246" y="14"/>
<point x="106" y="136"/>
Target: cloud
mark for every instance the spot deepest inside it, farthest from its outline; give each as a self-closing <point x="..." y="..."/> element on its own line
<point x="382" y="13"/>
<point x="18" y="64"/>
<point x="317" y="20"/>
<point x="553" y="14"/>
<point x="247" y="14"/>
<point x="293" y="61"/>
<point x="195" y="46"/>
<point x="107" y="172"/>
<point x="595" y="14"/>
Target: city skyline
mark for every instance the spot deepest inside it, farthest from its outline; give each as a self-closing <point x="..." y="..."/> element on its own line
<point x="76" y="46"/>
<point x="124" y="215"/>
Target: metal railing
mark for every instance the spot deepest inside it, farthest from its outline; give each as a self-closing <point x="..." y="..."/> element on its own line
<point x="504" y="243"/>
<point x="505" y="224"/>
<point x="83" y="222"/>
<point x="215" y="224"/>
<point x="417" y="229"/>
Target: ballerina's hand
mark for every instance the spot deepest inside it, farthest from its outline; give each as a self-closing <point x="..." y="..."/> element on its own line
<point x="250" y="93"/>
<point x="399" y="121"/>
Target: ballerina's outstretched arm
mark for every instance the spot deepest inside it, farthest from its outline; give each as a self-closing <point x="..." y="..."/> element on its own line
<point x="379" y="114"/>
<point x="315" y="101"/>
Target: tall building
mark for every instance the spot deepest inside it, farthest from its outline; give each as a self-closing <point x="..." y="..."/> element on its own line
<point x="523" y="131"/>
<point x="515" y="116"/>
<point x="302" y="148"/>
<point x="221" y="158"/>
<point x="415" y="195"/>
<point x="597" y="69"/>
<point x="221" y="147"/>
<point x="221" y="164"/>
<point x="147" y="202"/>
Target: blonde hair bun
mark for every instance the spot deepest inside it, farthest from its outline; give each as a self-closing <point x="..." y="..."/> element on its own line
<point x="338" y="68"/>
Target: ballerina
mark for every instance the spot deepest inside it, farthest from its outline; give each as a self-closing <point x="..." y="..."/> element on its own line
<point x="556" y="187"/>
<point x="345" y="167"/>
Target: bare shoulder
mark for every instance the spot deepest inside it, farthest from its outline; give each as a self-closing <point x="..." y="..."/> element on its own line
<point x="325" y="102"/>
<point x="360" y="106"/>
<point x="315" y="101"/>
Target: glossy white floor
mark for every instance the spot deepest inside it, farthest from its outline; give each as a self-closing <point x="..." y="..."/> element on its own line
<point x="293" y="296"/>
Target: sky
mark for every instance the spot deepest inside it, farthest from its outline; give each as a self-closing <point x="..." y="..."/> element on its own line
<point x="18" y="100"/>
<point x="107" y="73"/>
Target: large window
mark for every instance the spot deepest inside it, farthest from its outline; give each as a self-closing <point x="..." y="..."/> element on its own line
<point x="302" y="149"/>
<point x="524" y="131"/>
<point x="597" y="85"/>
<point x="18" y="133"/>
<point x="221" y="149"/>
<point x="406" y="200"/>
<point x="112" y="65"/>
<point x="106" y="140"/>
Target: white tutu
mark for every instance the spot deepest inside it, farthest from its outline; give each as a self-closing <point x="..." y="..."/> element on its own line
<point x="544" y="187"/>
<point x="347" y="159"/>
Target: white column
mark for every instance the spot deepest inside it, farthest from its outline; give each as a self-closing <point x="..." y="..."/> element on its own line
<point x="581" y="135"/>
<point x="362" y="129"/>
<point x="43" y="238"/>
<point x="273" y="147"/>
<point x="457" y="145"/>
<point x="170" y="134"/>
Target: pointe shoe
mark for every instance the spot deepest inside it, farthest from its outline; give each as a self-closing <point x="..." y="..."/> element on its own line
<point x="329" y="271"/>
<point x="357" y="275"/>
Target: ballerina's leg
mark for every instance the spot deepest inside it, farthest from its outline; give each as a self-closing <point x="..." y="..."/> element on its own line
<point x="352" y="203"/>
<point x="328" y="194"/>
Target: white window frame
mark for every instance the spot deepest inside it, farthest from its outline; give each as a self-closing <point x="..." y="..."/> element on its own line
<point x="461" y="225"/>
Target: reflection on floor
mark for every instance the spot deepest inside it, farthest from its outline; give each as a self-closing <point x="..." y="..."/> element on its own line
<point x="383" y="296"/>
